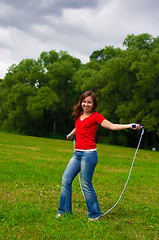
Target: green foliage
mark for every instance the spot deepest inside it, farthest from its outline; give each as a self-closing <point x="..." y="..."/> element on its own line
<point x="34" y="94"/>
<point x="87" y="76"/>
<point x="13" y="110"/>
<point x="37" y="97"/>
<point x="48" y="58"/>
<point x="143" y="105"/>
<point x="44" y="100"/>
<point x="106" y="54"/>
<point x="140" y="42"/>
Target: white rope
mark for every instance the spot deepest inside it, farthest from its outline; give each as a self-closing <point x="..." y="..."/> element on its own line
<point x="74" y="142"/>
<point x="128" y="175"/>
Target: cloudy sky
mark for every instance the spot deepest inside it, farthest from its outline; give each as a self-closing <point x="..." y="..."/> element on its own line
<point x="29" y="27"/>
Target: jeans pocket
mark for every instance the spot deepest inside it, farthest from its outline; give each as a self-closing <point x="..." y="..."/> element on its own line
<point x="90" y="158"/>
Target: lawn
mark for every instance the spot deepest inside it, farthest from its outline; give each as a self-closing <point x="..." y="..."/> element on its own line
<point x="30" y="183"/>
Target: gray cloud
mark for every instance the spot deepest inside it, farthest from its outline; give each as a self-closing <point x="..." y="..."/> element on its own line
<point x="22" y="13"/>
<point x="29" y="27"/>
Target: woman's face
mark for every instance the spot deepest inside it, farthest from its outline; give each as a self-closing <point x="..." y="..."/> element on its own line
<point x="87" y="104"/>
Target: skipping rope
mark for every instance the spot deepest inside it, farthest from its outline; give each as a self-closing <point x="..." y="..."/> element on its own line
<point x="142" y="132"/>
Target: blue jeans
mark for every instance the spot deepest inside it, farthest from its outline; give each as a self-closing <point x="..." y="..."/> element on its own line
<point x="86" y="163"/>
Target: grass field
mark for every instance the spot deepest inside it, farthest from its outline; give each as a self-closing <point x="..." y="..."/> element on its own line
<point x="30" y="176"/>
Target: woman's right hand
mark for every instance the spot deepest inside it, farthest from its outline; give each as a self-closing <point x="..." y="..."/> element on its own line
<point x="69" y="137"/>
<point x="71" y="134"/>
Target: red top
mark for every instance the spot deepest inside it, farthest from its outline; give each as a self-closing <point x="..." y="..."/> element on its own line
<point x="86" y="130"/>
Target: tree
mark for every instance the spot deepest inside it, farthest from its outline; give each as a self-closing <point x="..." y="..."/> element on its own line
<point x="36" y="97"/>
<point x="143" y="107"/>
<point x="61" y="81"/>
<point x="106" y="54"/>
<point x="42" y="107"/>
<point x="87" y="76"/>
<point x="13" y="112"/>
<point x="140" y="42"/>
<point x="20" y="82"/>
<point x="46" y="59"/>
<point x="47" y="107"/>
<point x="126" y="83"/>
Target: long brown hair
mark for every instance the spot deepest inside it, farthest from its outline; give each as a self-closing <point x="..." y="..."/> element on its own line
<point x="78" y="108"/>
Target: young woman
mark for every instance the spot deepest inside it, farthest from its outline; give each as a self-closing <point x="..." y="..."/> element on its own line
<point x="85" y="157"/>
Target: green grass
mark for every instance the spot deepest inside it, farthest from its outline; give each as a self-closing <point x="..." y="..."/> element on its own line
<point x="30" y="176"/>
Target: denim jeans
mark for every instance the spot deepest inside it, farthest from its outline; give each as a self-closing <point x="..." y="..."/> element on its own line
<point x="84" y="162"/>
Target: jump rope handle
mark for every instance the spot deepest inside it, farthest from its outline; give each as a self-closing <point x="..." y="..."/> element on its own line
<point x="134" y="126"/>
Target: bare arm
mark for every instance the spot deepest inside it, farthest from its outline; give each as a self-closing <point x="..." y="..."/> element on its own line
<point x="106" y="124"/>
<point x="71" y="134"/>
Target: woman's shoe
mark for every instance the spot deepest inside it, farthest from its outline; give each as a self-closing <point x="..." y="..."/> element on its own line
<point x="94" y="219"/>
<point x="58" y="215"/>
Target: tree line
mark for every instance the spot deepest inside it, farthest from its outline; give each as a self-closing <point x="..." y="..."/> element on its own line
<point x="37" y="96"/>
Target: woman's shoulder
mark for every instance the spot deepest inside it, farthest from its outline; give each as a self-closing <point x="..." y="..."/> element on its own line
<point x="98" y="117"/>
<point x="98" y="114"/>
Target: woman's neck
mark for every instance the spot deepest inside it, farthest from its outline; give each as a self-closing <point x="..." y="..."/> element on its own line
<point x="86" y="114"/>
